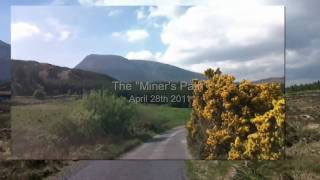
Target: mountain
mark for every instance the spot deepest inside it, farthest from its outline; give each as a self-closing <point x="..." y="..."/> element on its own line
<point x="135" y="70"/>
<point x="5" y="65"/>
<point x="4" y="50"/>
<point x="280" y="80"/>
<point x="27" y="76"/>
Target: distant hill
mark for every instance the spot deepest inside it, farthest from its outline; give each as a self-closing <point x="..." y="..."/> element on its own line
<point x="280" y="80"/>
<point x="135" y="70"/>
<point x="4" y="50"/>
<point x="5" y="73"/>
<point x="27" y="76"/>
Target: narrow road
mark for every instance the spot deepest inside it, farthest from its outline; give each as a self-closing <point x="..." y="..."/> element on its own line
<point x="168" y="151"/>
<point x="170" y="145"/>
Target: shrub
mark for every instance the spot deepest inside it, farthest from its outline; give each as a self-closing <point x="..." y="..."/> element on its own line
<point x="236" y="120"/>
<point x="39" y="94"/>
<point x="66" y="132"/>
<point x="100" y="110"/>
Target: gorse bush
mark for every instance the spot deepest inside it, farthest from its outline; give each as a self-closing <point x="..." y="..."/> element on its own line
<point x="102" y="111"/>
<point x="39" y="94"/>
<point x="236" y="120"/>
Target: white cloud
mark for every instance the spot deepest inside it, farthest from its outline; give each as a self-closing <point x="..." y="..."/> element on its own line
<point x="114" y="12"/>
<point x="88" y="2"/>
<point x="61" y="31"/>
<point x="116" y="34"/>
<point x="141" y="14"/>
<point x="215" y="35"/>
<point x="137" y="35"/>
<point x="253" y="69"/>
<point x="63" y="2"/>
<point x="157" y="16"/>
<point x="129" y="2"/>
<point x="165" y="11"/>
<point x="22" y="30"/>
<point x="64" y="35"/>
<point x="50" y="31"/>
<point x="48" y="36"/>
<point x="148" y="2"/>
<point x="133" y="35"/>
<point x="143" y="55"/>
<point x="167" y="2"/>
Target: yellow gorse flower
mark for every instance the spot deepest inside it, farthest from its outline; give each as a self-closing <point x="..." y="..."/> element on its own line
<point x="237" y="120"/>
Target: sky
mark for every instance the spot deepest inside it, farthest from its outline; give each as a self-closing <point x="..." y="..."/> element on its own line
<point x="5" y="21"/>
<point x="64" y="35"/>
<point x="179" y="36"/>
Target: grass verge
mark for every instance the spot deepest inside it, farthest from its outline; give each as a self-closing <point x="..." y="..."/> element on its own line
<point x="33" y="170"/>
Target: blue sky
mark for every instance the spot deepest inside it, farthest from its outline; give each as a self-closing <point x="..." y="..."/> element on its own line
<point x="303" y="40"/>
<point x="5" y="21"/>
<point x="5" y="14"/>
<point x="190" y="37"/>
<point x="98" y="30"/>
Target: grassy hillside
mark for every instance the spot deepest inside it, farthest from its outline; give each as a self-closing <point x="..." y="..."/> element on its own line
<point x="29" y="76"/>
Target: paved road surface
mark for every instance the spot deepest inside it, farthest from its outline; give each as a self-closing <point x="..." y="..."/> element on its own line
<point x="170" y="145"/>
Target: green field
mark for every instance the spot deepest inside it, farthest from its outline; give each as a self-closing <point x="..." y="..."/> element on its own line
<point x="173" y="116"/>
<point x="302" y="151"/>
<point x="47" y="129"/>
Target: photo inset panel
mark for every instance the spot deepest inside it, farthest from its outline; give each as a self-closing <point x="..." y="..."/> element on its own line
<point x="148" y="82"/>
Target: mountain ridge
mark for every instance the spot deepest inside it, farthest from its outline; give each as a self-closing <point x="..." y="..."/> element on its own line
<point x="5" y="65"/>
<point x="125" y="69"/>
<point x="29" y="76"/>
<point x="280" y="80"/>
